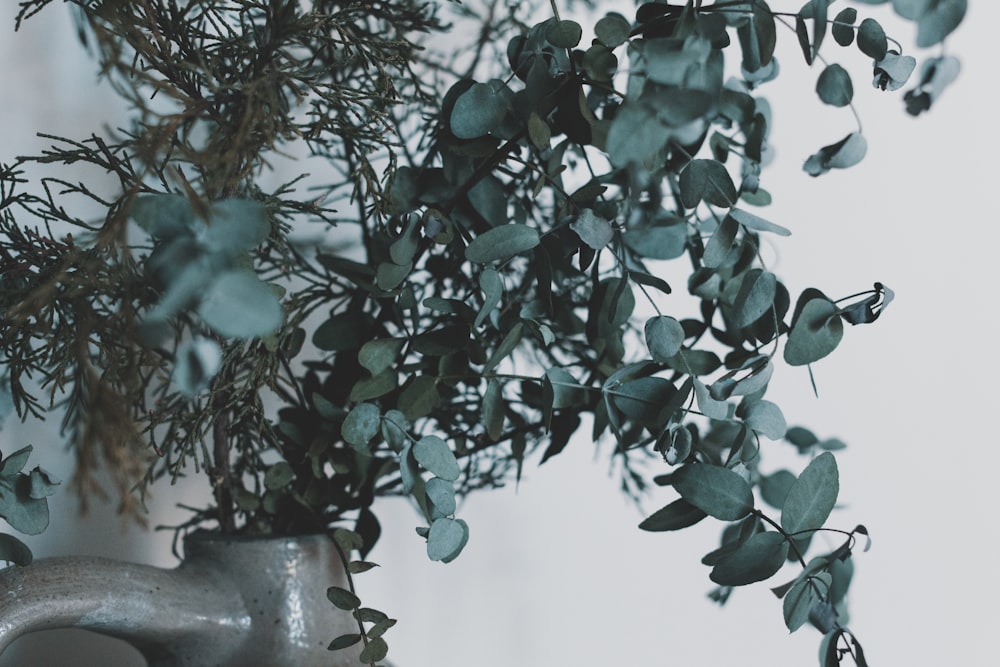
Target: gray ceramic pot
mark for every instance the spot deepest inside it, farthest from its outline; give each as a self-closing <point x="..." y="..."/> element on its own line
<point x="233" y="602"/>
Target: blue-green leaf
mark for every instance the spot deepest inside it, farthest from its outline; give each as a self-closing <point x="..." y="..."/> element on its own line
<point x="564" y="34"/>
<point x="479" y="110"/>
<point x="501" y="243"/>
<point x="706" y="180"/>
<point x="196" y="363"/>
<point x="816" y="333"/>
<point x="14" y="550"/>
<point x="435" y="456"/>
<point x="675" y="516"/>
<point x="594" y="231"/>
<point x="238" y="305"/>
<point x="715" y="490"/>
<point x="757" y="223"/>
<point x="757" y="559"/>
<point x="612" y="30"/>
<point x="765" y="418"/>
<point x="235" y="226"/>
<point x="361" y="424"/>
<point x="872" y="40"/>
<point x="755" y="298"/>
<point x="845" y="153"/>
<point x="834" y="86"/>
<point x="812" y="497"/>
<point x="380" y="354"/>
<point x="441" y="493"/>
<point x="163" y="216"/>
<point x="446" y="539"/>
<point x="664" y="337"/>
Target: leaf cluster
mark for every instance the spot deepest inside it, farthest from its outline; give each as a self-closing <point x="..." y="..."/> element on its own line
<point x="503" y="214"/>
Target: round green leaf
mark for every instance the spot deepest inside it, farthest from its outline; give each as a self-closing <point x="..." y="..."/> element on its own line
<point x="419" y="397"/>
<point x="236" y="226"/>
<point x="642" y="400"/>
<point x="816" y="333"/>
<point x="501" y="243"/>
<point x="706" y="180"/>
<point x="834" y="86"/>
<point x="594" y="231"/>
<point x="872" y="40"/>
<point x="361" y="424"/>
<point x="802" y="597"/>
<point x="378" y="355"/>
<point x="376" y="650"/>
<point x="435" y="456"/>
<point x="163" y="216"/>
<point x="843" y="26"/>
<point x="196" y="363"/>
<point x="441" y="493"/>
<point x="564" y="34"/>
<point x="664" y="337"/>
<point x="715" y="490"/>
<point x="659" y="242"/>
<point x="765" y="418"/>
<point x="479" y="110"/>
<point x="446" y="539"/>
<point x="756" y="559"/>
<point x="813" y="495"/>
<point x="755" y="298"/>
<point x="939" y="21"/>
<point x="278" y="476"/>
<point x="612" y="30"/>
<point x="238" y="305"/>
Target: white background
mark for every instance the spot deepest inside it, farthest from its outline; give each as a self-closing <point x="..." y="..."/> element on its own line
<point x="556" y="573"/>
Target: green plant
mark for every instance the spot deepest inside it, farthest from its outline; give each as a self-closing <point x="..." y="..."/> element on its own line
<point x="502" y="212"/>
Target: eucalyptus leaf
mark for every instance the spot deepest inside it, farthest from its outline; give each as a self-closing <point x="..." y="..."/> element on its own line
<point x="845" y="153"/>
<point x="380" y="354"/>
<point x="361" y="424"/>
<point x="872" y="40"/>
<point x="235" y="226"/>
<point x="195" y="364"/>
<point x="812" y="497"/>
<point x="801" y="599"/>
<point x="756" y="223"/>
<point x="765" y="418"/>
<point x="592" y="230"/>
<point x="843" y="26"/>
<point x="834" y="86"/>
<point x="757" y="559"/>
<point x="163" y="216"/>
<point x="441" y="493"/>
<point x="815" y="334"/>
<point x="434" y="455"/>
<point x="14" y="550"/>
<point x="664" y="337"/>
<point x="715" y="490"/>
<point x="612" y="30"/>
<point x="446" y="539"/>
<point x="755" y="298"/>
<point x="706" y="180"/>
<point x="502" y="243"/>
<point x="479" y="110"/>
<point x="237" y="304"/>
<point x="677" y="515"/>
<point x="489" y="283"/>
